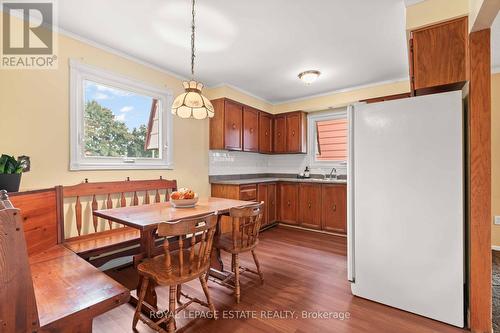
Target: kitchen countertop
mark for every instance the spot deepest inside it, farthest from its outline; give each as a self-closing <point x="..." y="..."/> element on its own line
<point x="272" y="180"/>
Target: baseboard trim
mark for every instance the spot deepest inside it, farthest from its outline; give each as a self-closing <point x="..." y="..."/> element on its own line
<point x="310" y="229"/>
<point x="495" y="247"/>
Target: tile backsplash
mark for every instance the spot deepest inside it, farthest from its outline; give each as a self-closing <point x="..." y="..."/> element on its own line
<point x="222" y="162"/>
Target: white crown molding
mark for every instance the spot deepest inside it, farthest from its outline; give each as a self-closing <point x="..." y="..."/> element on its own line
<point x="338" y="91"/>
<point x="409" y="3"/>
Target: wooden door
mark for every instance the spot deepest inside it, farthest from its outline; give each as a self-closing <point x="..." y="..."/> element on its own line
<point x="334" y="208"/>
<point x="310" y="205"/>
<point x="262" y="195"/>
<point x="293" y="133"/>
<point x="233" y="121"/>
<point x="439" y="54"/>
<point x="271" y="202"/>
<point x="289" y="197"/>
<point x="250" y="129"/>
<point x="265" y="130"/>
<point x="280" y="134"/>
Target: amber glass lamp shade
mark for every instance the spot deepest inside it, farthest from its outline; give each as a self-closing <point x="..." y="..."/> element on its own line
<point x="191" y="103"/>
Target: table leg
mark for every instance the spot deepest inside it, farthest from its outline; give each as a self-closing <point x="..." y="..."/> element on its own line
<point x="147" y="248"/>
<point x="216" y="264"/>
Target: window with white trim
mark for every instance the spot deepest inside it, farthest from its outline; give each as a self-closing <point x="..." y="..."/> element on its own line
<point x="118" y="123"/>
<point x="328" y="135"/>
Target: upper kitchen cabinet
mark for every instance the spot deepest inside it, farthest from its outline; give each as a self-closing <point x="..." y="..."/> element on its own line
<point x="265" y="133"/>
<point x="250" y="129"/>
<point x="438" y="57"/>
<point x="290" y="132"/>
<point x="296" y="132"/>
<point x="226" y="127"/>
<point x="279" y="134"/>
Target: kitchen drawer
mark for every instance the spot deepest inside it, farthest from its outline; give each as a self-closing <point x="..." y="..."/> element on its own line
<point x="248" y="192"/>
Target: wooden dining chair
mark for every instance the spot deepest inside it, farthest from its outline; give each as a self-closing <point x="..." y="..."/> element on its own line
<point x="246" y="222"/>
<point x="187" y="261"/>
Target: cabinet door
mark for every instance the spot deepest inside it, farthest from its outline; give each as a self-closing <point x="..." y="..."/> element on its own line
<point x="233" y="116"/>
<point x="250" y="129"/>
<point x="279" y="134"/>
<point x="310" y="205"/>
<point x="334" y="208"/>
<point x="271" y="202"/>
<point x="265" y="129"/>
<point x="262" y="195"/>
<point x="440" y="54"/>
<point x="293" y="133"/>
<point x="289" y="196"/>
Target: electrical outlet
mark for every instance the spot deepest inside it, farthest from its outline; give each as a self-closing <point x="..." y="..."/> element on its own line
<point x="497" y="220"/>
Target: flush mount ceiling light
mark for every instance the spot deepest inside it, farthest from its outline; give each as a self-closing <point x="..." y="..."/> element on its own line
<point x="191" y="103"/>
<point x="309" y="77"/>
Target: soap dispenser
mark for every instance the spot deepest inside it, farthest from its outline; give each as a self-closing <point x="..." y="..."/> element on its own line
<point x="307" y="173"/>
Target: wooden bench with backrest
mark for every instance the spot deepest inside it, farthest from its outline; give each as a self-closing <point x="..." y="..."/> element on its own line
<point x="44" y="287"/>
<point x="98" y="240"/>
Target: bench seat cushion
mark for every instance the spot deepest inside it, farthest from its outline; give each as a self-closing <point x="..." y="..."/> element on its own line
<point x="68" y="288"/>
<point x="101" y="242"/>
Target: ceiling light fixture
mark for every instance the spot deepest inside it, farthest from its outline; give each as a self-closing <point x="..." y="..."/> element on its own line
<point x="191" y="103"/>
<point x="309" y="77"/>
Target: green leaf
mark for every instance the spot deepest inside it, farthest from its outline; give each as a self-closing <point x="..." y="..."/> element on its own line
<point x="11" y="165"/>
<point x="3" y="161"/>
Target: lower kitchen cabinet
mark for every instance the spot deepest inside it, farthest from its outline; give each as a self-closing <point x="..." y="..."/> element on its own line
<point x="310" y="205"/>
<point x="288" y="202"/>
<point x="267" y="193"/>
<point x="334" y="208"/>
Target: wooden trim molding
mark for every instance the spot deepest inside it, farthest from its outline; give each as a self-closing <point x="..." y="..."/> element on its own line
<point x="479" y="182"/>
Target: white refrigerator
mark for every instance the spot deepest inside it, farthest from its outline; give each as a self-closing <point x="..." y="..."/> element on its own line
<point x="406" y="204"/>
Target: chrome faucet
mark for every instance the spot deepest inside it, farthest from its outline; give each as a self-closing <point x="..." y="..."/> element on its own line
<point x="334" y="172"/>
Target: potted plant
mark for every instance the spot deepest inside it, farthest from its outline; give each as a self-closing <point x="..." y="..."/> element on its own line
<point x="10" y="172"/>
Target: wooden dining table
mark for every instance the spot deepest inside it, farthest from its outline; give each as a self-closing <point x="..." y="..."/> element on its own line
<point x="146" y="219"/>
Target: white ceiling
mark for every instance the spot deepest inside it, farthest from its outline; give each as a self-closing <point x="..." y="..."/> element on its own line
<point x="258" y="46"/>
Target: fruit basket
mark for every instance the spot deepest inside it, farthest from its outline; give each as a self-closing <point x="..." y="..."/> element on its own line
<point x="183" y="198"/>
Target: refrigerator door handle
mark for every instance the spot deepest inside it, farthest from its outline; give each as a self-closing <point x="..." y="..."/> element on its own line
<point x="350" y="198"/>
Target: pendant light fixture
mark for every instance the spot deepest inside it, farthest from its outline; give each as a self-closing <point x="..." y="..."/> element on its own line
<point x="191" y="103"/>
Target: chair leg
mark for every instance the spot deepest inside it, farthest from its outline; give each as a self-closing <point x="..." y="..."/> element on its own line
<point x="232" y="263"/>
<point x="179" y="290"/>
<point x="171" y="309"/>
<point x="237" y="277"/>
<point x="142" y="294"/>
<point x="257" y="264"/>
<point x="204" y="286"/>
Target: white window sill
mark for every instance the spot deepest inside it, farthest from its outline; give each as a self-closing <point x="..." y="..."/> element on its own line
<point x="120" y="166"/>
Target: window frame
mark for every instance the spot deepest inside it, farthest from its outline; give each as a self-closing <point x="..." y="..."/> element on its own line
<point x="79" y="73"/>
<point x="312" y="118"/>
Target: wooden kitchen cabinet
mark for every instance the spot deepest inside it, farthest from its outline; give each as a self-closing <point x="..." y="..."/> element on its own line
<point x="265" y="133"/>
<point x="279" y="134"/>
<point x="271" y="203"/>
<point x="262" y="196"/>
<point x="334" y="208"/>
<point x="250" y="129"/>
<point x="439" y="57"/>
<point x="226" y="127"/>
<point x="288" y="202"/>
<point x="296" y="132"/>
<point x="310" y="205"/>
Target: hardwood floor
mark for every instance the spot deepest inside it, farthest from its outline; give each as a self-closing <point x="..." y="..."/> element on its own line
<point x="303" y="271"/>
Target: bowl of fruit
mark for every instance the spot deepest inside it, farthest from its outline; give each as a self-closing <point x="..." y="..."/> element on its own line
<point x="183" y="198"/>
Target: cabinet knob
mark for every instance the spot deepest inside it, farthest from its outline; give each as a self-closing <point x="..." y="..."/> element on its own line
<point x="279" y="133"/>
<point x="334" y="207"/>
<point x="251" y="130"/>
<point x="267" y="133"/>
<point x="309" y="205"/>
<point x="293" y="133"/>
<point x="233" y="126"/>
<point x="288" y="203"/>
